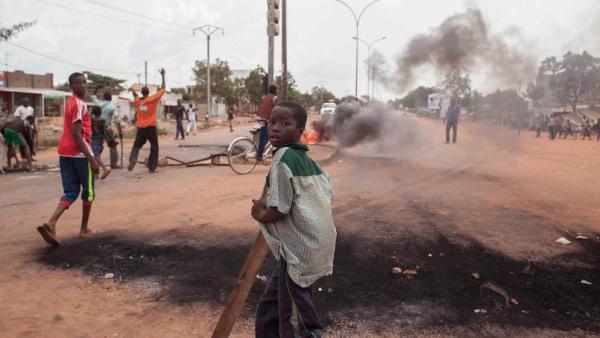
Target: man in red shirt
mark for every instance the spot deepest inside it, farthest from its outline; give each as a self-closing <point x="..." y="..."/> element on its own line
<point x="77" y="164"/>
<point x="145" y="111"/>
<point x="267" y="102"/>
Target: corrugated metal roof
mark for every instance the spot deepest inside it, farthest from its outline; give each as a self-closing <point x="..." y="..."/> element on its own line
<point x="40" y="91"/>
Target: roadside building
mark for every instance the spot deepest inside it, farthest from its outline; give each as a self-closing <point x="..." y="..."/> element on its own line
<point x="39" y="89"/>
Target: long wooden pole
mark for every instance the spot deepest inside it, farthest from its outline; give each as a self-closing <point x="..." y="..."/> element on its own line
<point x="242" y="287"/>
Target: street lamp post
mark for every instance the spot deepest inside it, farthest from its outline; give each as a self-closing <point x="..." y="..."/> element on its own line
<point x="369" y="45"/>
<point x="357" y="20"/>
<point x="208" y="30"/>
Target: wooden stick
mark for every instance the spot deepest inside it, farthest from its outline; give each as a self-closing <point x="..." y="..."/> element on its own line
<point x="242" y="287"/>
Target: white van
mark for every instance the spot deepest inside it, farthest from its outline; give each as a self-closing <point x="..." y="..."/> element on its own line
<point x="328" y="108"/>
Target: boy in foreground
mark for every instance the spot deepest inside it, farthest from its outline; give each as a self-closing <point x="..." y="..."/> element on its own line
<point x="77" y="164"/>
<point x="294" y="213"/>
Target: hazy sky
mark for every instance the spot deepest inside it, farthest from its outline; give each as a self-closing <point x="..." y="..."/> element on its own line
<point x="320" y="45"/>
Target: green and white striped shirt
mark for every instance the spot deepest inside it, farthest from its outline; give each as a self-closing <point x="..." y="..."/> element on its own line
<point x="305" y="237"/>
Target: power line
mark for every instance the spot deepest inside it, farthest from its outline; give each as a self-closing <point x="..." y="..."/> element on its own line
<point x="67" y="62"/>
<point x="98" y="3"/>
<point x="109" y="17"/>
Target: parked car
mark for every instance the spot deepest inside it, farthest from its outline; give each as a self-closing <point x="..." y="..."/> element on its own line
<point x="328" y="108"/>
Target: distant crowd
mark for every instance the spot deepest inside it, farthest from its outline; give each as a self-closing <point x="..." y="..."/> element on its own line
<point x="560" y="127"/>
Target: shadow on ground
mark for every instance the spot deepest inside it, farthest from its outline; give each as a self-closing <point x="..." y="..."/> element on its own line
<point x="363" y="288"/>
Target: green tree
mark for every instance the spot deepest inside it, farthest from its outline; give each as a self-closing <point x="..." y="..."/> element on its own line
<point x="418" y="97"/>
<point x="96" y="81"/>
<point x="503" y="102"/>
<point x="320" y="95"/>
<point x="535" y="92"/>
<point x="6" y="33"/>
<point x="239" y="90"/>
<point x="457" y="85"/>
<point x="293" y="93"/>
<point x="184" y="93"/>
<point x="254" y="84"/>
<point x="578" y="75"/>
<point x="220" y="78"/>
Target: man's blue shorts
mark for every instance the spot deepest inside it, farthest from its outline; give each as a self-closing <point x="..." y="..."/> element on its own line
<point x="97" y="146"/>
<point x="76" y="174"/>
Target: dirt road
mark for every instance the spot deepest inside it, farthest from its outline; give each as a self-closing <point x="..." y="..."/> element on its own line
<point x="174" y="242"/>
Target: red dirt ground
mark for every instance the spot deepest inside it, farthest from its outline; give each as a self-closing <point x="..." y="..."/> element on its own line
<point x="176" y="240"/>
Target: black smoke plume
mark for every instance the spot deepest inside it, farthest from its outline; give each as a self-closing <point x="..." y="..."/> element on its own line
<point x="464" y="41"/>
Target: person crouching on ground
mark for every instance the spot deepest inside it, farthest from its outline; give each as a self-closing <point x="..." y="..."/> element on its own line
<point x="77" y="164"/>
<point x="294" y="214"/>
<point x="98" y="136"/>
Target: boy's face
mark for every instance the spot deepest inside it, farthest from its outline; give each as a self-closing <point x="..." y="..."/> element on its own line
<point x="79" y="86"/>
<point x="96" y="117"/>
<point x="283" y="128"/>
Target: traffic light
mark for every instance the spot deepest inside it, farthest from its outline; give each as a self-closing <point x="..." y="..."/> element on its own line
<point x="273" y="18"/>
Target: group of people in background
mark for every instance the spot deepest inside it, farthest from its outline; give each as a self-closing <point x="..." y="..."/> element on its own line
<point x="560" y="127"/>
<point x="19" y="133"/>
<point x="181" y="112"/>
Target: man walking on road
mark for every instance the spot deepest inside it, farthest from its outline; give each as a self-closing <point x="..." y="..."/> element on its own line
<point x="267" y="102"/>
<point x="192" y="114"/>
<point x="146" y="109"/>
<point x="179" y="115"/>
<point x="108" y="116"/>
<point x="452" y="122"/>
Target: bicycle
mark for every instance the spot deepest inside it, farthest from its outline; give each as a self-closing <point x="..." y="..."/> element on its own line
<point x="242" y="151"/>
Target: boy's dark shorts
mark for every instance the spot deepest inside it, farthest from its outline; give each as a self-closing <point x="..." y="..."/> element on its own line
<point x="76" y="175"/>
<point x="97" y="146"/>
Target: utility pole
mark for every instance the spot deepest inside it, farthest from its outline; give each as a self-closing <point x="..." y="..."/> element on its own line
<point x="272" y="31"/>
<point x="284" y="75"/>
<point x="369" y="68"/>
<point x="146" y="73"/>
<point x="357" y="21"/>
<point x="208" y="30"/>
<point x="6" y="61"/>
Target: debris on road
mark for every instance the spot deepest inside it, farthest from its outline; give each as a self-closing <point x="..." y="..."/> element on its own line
<point x="261" y="278"/>
<point x="529" y="269"/>
<point x="109" y="275"/>
<point x="396" y="270"/>
<point x="410" y="273"/>
<point x="475" y="275"/>
<point x="514" y="301"/>
<point x="320" y="289"/>
<point x="580" y="236"/>
<point x="480" y="311"/>
<point x="563" y="241"/>
<point x="500" y="291"/>
<point x="583" y="281"/>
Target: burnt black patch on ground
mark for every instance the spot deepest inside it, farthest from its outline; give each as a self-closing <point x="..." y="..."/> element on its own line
<point x="447" y="292"/>
<point x="185" y="273"/>
<point x="363" y="287"/>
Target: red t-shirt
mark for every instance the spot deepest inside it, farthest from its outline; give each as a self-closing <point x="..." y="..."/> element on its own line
<point x="75" y="110"/>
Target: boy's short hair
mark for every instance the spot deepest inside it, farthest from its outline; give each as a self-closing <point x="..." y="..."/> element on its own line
<point x="107" y="96"/>
<point x="96" y="111"/>
<point x="73" y="76"/>
<point x="298" y="110"/>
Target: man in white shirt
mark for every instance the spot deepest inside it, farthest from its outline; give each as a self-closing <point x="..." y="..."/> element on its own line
<point x="192" y="117"/>
<point x="24" y="109"/>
